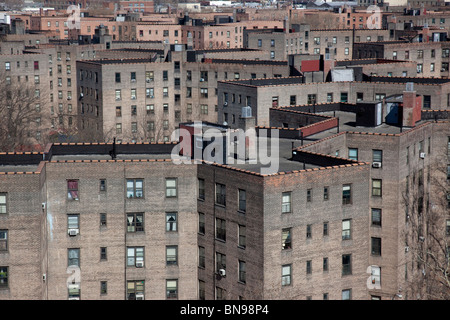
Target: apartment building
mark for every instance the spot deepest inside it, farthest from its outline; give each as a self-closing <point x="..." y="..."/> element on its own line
<point x="301" y="39"/>
<point x="323" y="225"/>
<point x="145" y="99"/>
<point x="432" y="57"/>
<point x="263" y="94"/>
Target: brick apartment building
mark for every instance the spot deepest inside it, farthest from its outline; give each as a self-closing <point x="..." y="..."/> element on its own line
<point x="146" y="99"/>
<point x="318" y="227"/>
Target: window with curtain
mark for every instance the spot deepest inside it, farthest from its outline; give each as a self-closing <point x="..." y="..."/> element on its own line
<point x="171" y="221"/>
<point x="135" y="222"/>
<point x="72" y="189"/>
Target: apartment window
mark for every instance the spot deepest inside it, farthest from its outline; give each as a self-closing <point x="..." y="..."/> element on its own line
<point x="135" y="289"/>
<point x="171" y="221"/>
<point x="36" y="65"/>
<point x="286" y="202"/>
<point x="118" y="128"/>
<point x="150" y="108"/>
<point x="272" y="42"/>
<point x="171" y="187"/>
<point x="149" y="76"/>
<point x="73" y="221"/>
<point x="419" y="54"/>
<point x="293" y="100"/>
<point x="376" y="217"/>
<point x="419" y="68"/>
<point x="326" y="191"/>
<point x="376" y="187"/>
<point x="204" y="109"/>
<point x="325" y="229"/>
<point x="135" y="188"/>
<point x="3" y="241"/>
<point x="308" y="267"/>
<point x="103" y="287"/>
<point x="171" y="289"/>
<point x="346" y="194"/>
<point x="133" y="94"/>
<point x="149" y="93"/>
<point x="242" y="271"/>
<point x="346" y="229"/>
<point x="325" y="264"/>
<point x="135" y="257"/>
<point x="353" y="154"/>
<point x="346" y="294"/>
<point x="272" y="54"/>
<point x="221" y="261"/>
<point x="201" y="223"/>
<point x="377" y="156"/>
<point x="103" y="219"/>
<point x="309" y="195"/>
<point x="201" y="189"/>
<point x="220" y="194"/>
<point x="103" y="253"/>
<point x="135" y="222"/>
<point x="376" y="246"/>
<point x="72" y="189"/>
<point x="286" y="239"/>
<point x="346" y="264"/>
<point x="117" y="77"/>
<point x="4" y="276"/>
<point x="286" y="275"/>
<point x="242" y="200"/>
<point x="447" y="228"/>
<point x="171" y="255"/>
<point x="311" y="98"/>
<point x="118" y="95"/>
<point x="73" y="257"/>
<point x="204" y="92"/>
<point x="242" y="236"/>
<point x="201" y="257"/>
<point x="3" y="208"/>
<point x="426" y="101"/>
<point x="329" y="97"/>
<point x="407" y="54"/>
<point x="221" y="231"/>
<point x="133" y="76"/>
<point x="308" y="231"/>
<point x="375" y="276"/>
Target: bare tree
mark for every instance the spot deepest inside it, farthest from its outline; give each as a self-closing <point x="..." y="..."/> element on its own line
<point x="20" y="106"/>
<point x="427" y="234"/>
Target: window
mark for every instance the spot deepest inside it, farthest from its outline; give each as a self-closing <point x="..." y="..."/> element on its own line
<point x="201" y="257"/>
<point x="221" y="231"/>
<point x="103" y="253"/>
<point x="135" y="188"/>
<point x="242" y="271"/>
<point x="171" y="255"/>
<point x="135" y="222"/>
<point x="293" y="100"/>
<point x="103" y="287"/>
<point x="73" y="256"/>
<point x="73" y="221"/>
<point x="242" y="237"/>
<point x="103" y="219"/>
<point x="286" y="202"/>
<point x="346" y="264"/>
<point x="135" y="257"/>
<point x="102" y="184"/>
<point x="204" y="109"/>
<point x="309" y="195"/>
<point x="72" y="189"/>
<point x="346" y="229"/>
<point x="171" y="187"/>
<point x="419" y="54"/>
<point x="221" y="261"/>
<point x="376" y="246"/>
<point x="375" y="276"/>
<point x="201" y="223"/>
<point x="3" y="240"/>
<point x="118" y="95"/>
<point x="377" y="156"/>
<point x="220" y="194"/>
<point x="326" y="193"/>
<point x="353" y="154"/>
<point x="329" y="97"/>
<point x="308" y="267"/>
<point x="311" y="98"/>
<point x="376" y="217"/>
<point x="201" y="189"/>
<point x="117" y="77"/>
<point x="242" y="200"/>
<point x="36" y="65"/>
<point x="221" y="293"/>
<point x="118" y="128"/>
<point x="376" y="187"/>
<point x="286" y="275"/>
<point x="171" y="221"/>
<point x="4" y="277"/>
<point x="171" y="289"/>
<point x="3" y="208"/>
<point x="135" y="289"/>
<point x="347" y="294"/>
<point x="286" y="239"/>
<point x="346" y="194"/>
<point x="325" y="229"/>
<point x="133" y="76"/>
<point x="325" y="265"/>
<point x="308" y="231"/>
<point x="133" y="94"/>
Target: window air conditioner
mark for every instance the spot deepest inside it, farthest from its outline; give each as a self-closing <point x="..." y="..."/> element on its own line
<point x="376" y="165"/>
<point x="201" y="79"/>
<point x="139" y="264"/>
<point x="225" y="103"/>
<point x="74" y="298"/>
<point x="222" y="272"/>
<point x="147" y="80"/>
<point x="140" y="296"/>
<point x="67" y="59"/>
<point x="73" y="232"/>
<point x="422" y="155"/>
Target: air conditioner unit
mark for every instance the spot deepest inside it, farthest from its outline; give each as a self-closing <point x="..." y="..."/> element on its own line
<point x="201" y="79"/>
<point x="67" y="59"/>
<point x="43" y="205"/>
<point x="147" y="80"/>
<point x="225" y="103"/>
<point x="73" y="232"/>
<point x="151" y="97"/>
<point x="376" y="165"/>
<point x="422" y="155"/>
<point x="140" y="296"/>
<point x="69" y="98"/>
<point x="139" y="264"/>
<point x="222" y="272"/>
<point x="406" y="249"/>
<point x="74" y="298"/>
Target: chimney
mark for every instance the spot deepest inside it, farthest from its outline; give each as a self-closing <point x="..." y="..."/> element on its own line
<point x="411" y="106"/>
